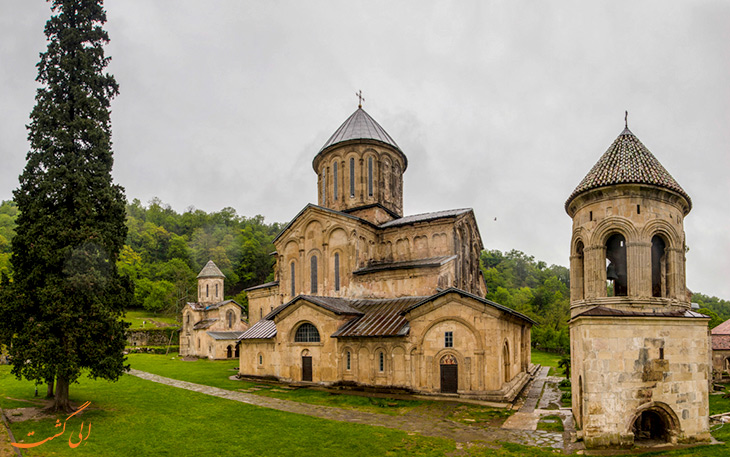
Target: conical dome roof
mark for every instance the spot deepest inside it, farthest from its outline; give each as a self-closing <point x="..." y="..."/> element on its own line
<point x="211" y="270"/>
<point x="360" y="126"/>
<point x="627" y="161"/>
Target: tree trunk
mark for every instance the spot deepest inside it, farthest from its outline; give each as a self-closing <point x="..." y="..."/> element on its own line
<point x="61" y="402"/>
<point x="49" y="392"/>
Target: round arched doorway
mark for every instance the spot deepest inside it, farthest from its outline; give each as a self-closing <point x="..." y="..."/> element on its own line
<point x="449" y="374"/>
<point x="654" y="425"/>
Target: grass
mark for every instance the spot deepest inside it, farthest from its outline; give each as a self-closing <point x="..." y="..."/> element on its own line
<point x="719" y="404"/>
<point x="216" y="373"/>
<point x="552" y="423"/>
<point x="548" y="359"/>
<point x="141" y="319"/>
<point x="480" y="415"/>
<point x="137" y="417"/>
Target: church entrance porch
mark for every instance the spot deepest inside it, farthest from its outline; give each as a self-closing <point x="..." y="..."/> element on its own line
<point x="449" y="375"/>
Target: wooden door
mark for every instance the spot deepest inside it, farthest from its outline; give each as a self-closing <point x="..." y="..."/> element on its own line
<point x="449" y="378"/>
<point x="306" y="368"/>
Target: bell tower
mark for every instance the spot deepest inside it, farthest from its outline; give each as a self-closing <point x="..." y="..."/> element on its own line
<point x="640" y="356"/>
<point x="210" y="284"/>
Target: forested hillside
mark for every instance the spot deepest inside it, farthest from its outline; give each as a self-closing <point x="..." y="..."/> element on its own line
<point x="165" y="251"/>
<point x="518" y="281"/>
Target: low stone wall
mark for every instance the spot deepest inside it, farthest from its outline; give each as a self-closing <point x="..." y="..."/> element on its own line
<point x="153" y="337"/>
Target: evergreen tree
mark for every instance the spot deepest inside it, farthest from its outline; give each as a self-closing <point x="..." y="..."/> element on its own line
<point x="62" y="311"/>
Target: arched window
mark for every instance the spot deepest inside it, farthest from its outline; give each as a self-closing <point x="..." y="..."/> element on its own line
<point x="313" y="274"/>
<point x="206" y="290"/>
<point x="306" y="333"/>
<point x="579" y="274"/>
<point x="348" y="358"/>
<point x="293" y="276"/>
<point x="261" y="359"/>
<point x="352" y="177"/>
<point x="229" y="351"/>
<point x="230" y="316"/>
<point x="216" y="290"/>
<point x="337" y="271"/>
<point x="658" y="267"/>
<point x="617" y="283"/>
<point x="370" y="176"/>
<point x="381" y="361"/>
<point x="334" y="179"/>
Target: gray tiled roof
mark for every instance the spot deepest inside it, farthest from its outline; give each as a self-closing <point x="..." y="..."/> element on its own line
<point x="360" y="126"/>
<point x="211" y="270"/>
<point x="379" y="318"/>
<point x="265" y="328"/>
<point x="225" y="335"/>
<point x="425" y="217"/>
<point x="205" y="323"/>
<point x="200" y="307"/>
<point x="627" y="161"/>
<point x="405" y="265"/>
<point x="263" y="286"/>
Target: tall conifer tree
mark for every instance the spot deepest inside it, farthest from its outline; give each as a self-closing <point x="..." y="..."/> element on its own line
<point x="62" y="312"/>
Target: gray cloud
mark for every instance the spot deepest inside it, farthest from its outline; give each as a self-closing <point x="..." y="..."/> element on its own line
<point x="501" y="106"/>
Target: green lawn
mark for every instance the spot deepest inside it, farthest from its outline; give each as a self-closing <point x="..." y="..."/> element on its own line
<point x="138" y="417"/>
<point x="216" y="373"/>
<point x="718" y="404"/>
<point x="548" y="359"/>
<point x="141" y="319"/>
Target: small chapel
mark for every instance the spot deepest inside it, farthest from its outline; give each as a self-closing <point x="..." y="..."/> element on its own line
<point x="640" y="354"/>
<point x="211" y="326"/>
<point x="364" y="295"/>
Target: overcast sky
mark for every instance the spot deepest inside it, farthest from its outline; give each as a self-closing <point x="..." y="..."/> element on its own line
<point x="502" y="106"/>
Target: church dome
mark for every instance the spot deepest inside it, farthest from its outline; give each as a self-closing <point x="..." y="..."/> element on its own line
<point x="360" y="126"/>
<point x="627" y="161"/>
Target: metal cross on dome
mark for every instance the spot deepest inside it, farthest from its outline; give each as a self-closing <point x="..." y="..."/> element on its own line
<point x="358" y="94"/>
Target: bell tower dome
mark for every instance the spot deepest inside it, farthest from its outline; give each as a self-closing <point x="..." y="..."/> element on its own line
<point x="360" y="170"/>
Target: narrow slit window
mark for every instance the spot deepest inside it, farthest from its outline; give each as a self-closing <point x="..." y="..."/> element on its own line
<point x="370" y="176"/>
<point x="348" y="361"/>
<point x="661" y="353"/>
<point x="313" y="267"/>
<point x="337" y="271"/>
<point x="381" y="357"/>
<point x="216" y="291"/>
<point x="206" y="290"/>
<point x="334" y="179"/>
<point x="638" y="209"/>
<point x="590" y="215"/>
<point x="324" y="187"/>
<point x="293" y="275"/>
<point x="352" y="177"/>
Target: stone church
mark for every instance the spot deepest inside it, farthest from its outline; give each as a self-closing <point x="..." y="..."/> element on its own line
<point x="640" y="355"/>
<point x="365" y="295"/>
<point x="211" y="326"/>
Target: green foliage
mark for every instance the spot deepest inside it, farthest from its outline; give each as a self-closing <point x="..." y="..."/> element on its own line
<point x="720" y="308"/>
<point x="516" y="280"/>
<point x="165" y="248"/>
<point x="61" y="313"/>
<point x="8" y="214"/>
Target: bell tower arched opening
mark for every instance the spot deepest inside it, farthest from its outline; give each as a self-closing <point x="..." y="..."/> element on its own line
<point x="616" y="276"/>
<point x="659" y="266"/>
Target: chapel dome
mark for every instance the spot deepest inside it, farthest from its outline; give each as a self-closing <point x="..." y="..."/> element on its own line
<point x="628" y="161"/>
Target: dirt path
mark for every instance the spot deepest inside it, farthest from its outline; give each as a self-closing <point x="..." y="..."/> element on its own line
<point x="425" y="420"/>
